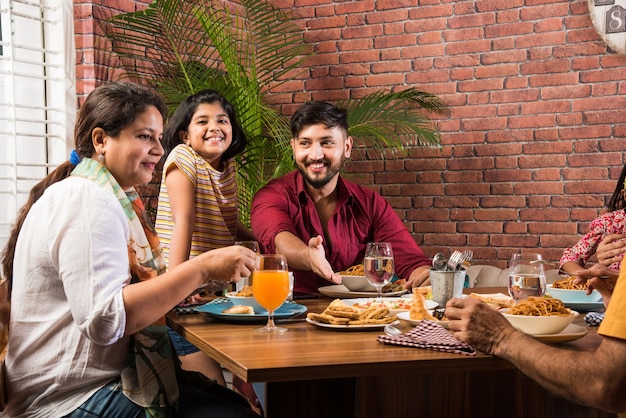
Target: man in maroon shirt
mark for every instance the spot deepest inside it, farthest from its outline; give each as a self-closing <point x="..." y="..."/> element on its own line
<point x="322" y="222"/>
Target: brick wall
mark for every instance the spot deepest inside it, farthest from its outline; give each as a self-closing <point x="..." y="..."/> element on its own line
<point x="533" y="141"/>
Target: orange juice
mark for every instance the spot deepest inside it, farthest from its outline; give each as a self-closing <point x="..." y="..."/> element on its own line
<point x="270" y="287"/>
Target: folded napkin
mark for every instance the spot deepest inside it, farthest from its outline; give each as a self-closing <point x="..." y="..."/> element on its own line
<point x="431" y="336"/>
<point x="594" y="318"/>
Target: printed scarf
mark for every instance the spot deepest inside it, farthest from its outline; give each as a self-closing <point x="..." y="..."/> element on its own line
<point x="149" y="379"/>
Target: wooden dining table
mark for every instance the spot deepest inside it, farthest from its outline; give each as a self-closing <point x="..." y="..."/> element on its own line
<point x="317" y="372"/>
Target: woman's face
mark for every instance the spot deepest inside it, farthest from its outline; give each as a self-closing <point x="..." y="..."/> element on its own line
<point x="133" y="155"/>
<point x="209" y="133"/>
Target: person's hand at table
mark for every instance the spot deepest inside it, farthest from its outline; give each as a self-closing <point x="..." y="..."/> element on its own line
<point x="611" y="249"/>
<point x="419" y="277"/>
<point x="318" y="262"/>
<point x="478" y="324"/>
<point x="600" y="278"/>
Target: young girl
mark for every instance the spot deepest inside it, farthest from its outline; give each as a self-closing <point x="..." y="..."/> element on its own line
<point x="198" y="206"/>
<point x="605" y="237"/>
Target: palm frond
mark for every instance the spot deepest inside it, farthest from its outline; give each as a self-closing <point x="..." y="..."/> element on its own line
<point x="386" y="120"/>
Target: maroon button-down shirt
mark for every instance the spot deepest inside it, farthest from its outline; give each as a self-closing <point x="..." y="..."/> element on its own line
<point x="361" y="216"/>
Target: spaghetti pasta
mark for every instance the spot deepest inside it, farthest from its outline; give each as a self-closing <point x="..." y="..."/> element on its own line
<point x="539" y="306"/>
<point x="568" y="283"/>
<point x="356" y="270"/>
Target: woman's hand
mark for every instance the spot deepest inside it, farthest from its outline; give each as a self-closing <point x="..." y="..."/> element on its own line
<point x="611" y="249"/>
<point x="600" y="278"/>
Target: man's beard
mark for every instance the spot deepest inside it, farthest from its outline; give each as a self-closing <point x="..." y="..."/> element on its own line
<point x="318" y="183"/>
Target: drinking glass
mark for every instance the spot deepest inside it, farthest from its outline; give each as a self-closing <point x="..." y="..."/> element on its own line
<point x="254" y="246"/>
<point x="526" y="276"/>
<point x="378" y="265"/>
<point x="270" y="286"/>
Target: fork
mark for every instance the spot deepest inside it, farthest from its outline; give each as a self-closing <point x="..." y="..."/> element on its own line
<point x="454" y="261"/>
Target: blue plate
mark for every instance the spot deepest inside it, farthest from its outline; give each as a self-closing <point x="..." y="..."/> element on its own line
<point x="585" y="306"/>
<point x="216" y="307"/>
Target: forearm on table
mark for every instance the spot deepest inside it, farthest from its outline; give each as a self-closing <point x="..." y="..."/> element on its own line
<point x="145" y="302"/>
<point x="594" y="378"/>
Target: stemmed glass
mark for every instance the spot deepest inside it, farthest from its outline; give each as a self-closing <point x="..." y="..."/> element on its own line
<point x="378" y="265"/>
<point x="270" y="286"/>
<point x="254" y="246"/>
<point x="526" y="276"/>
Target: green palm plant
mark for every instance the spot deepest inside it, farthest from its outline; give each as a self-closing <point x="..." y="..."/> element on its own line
<point x="243" y="50"/>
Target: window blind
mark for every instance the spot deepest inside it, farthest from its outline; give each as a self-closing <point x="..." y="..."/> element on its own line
<point x="37" y="97"/>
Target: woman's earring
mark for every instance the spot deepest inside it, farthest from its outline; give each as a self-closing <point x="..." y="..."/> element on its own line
<point x="101" y="158"/>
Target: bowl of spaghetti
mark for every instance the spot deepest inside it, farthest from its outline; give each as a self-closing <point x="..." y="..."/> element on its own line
<point x="538" y="315"/>
<point x="354" y="279"/>
<point x="569" y="292"/>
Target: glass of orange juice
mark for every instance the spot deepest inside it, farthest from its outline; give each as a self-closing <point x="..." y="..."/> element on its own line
<point x="270" y="285"/>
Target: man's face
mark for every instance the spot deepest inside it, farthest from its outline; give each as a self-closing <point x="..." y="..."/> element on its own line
<point x="319" y="153"/>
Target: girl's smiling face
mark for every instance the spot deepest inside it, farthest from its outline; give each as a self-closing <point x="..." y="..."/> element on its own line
<point x="209" y="133"/>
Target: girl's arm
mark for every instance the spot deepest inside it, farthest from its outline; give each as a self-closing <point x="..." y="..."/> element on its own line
<point x="244" y="233"/>
<point x="182" y="194"/>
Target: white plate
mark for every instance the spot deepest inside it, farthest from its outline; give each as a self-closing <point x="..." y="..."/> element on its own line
<point x="340" y="291"/>
<point x="389" y="303"/>
<point x="571" y="333"/>
<point x="369" y="327"/>
<point x="405" y="316"/>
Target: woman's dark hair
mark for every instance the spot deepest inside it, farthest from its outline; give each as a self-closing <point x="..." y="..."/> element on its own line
<point x="313" y="113"/>
<point x="112" y="107"/>
<point x="181" y="119"/>
<point x="618" y="201"/>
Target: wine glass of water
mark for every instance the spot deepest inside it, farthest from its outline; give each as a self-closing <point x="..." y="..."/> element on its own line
<point x="526" y="276"/>
<point x="378" y="265"/>
<point x="270" y="286"/>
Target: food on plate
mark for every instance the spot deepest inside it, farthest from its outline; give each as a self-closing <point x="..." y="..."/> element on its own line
<point x="396" y="286"/>
<point x="356" y="270"/>
<point x="239" y="310"/>
<point x="539" y="306"/>
<point x="568" y="283"/>
<point x="495" y="300"/>
<point x="245" y="291"/>
<point x="338" y="313"/>
<point x="340" y="310"/>
<point x="426" y="291"/>
<point x="418" y="309"/>
<point x="391" y="304"/>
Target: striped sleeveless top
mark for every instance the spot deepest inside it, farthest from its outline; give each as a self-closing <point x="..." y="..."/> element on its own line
<point x="215" y="201"/>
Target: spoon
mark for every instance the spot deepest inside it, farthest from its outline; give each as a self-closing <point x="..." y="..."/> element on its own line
<point x="391" y="330"/>
<point x="439" y="261"/>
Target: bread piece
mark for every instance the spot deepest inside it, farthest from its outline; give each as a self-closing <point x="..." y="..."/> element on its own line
<point x="339" y="309"/>
<point x="418" y="309"/>
<point x="327" y="319"/>
<point x="379" y="321"/>
<point x="496" y="300"/>
<point x="374" y="312"/>
<point x="239" y="310"/>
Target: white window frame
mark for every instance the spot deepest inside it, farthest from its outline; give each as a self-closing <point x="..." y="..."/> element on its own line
<point x="37" y="97"/>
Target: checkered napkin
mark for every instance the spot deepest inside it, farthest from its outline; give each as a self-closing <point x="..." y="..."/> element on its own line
<point x="431" y="336"/>
<point x="594" y="318"/>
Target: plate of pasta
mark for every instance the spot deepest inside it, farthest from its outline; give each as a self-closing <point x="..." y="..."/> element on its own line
<point x="569" y="292"/>
<point x="538" y="315"/>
